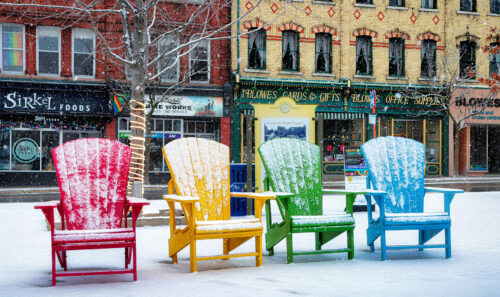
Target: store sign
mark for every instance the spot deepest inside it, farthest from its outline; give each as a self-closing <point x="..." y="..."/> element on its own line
<point x="25" y="150"/>
<point x="56" y="102"/>
<point x="153" y="135"/>
<point x="476" y="106"/>
<point x="297" y="94"/>
<point x="190" y="106"/>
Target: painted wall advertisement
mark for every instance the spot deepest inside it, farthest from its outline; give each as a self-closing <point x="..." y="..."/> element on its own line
<point x="190" y="106"/>
<point x="355" y="172"/>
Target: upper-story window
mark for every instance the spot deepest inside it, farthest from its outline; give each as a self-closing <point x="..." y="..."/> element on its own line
<point x="199" y="61"/>
<point x="364" y="55"/>
<point x="169" y="64"/>
<point x="257" y="48"/>
<point x="323" y="56"/>
<point x="290" y="51"/>
<point x="428" y="58"/>
<point x="467" y="58"/>
<point x="397" y="3"/>
<point x="495" y="60"/>
<point x="12" y="44"/>
<point x="364" y="1"/>
<point x="468" y="5"/>
<point x="396" y="57"/>
<point x="83" y="52"/>
<point x="49" y="50"/>
<point x="495" y="6"/>
<point x="430" y="4"/>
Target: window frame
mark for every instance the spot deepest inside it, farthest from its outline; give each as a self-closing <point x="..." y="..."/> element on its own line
<point x="316" y="52"/>
<point x="433" y="4"/>
<point x="78" y="33"/>
<point x="370" y="54"/>
<point x="434" y="43"/>
<point x="297" y="50"/>
<point x="497" y="59"/>
<point x="473" y="4"/>
<point x="15" y="49"/>
<point x="396" y="4"/>
<point x="364" y="1"/>
<point x="254" y="30"/>
<point x="468" y="46"/>
<point x="175" y="38"/>
<point x="401" y="59"/>
<point x="495" y="4"/>
<point x="194" y="61"/>
<point x="52" y="32"/>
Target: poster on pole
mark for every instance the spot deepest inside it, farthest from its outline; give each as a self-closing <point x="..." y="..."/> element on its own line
<point x="355" y="172"/>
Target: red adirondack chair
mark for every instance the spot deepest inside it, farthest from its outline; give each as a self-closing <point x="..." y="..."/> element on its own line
<point x="92" y="175"/>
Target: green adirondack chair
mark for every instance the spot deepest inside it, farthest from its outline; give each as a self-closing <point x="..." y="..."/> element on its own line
<point x="294" y="165"/>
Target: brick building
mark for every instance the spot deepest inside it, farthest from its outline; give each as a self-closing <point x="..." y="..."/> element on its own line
<point x="57" y="85"/>
<point x="316" y="63"/>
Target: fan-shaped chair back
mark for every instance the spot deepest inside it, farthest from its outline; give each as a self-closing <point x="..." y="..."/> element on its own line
<point x="293" y="165"/>
<point x="200" y="168"/>
<point x="397" y="165"/>
<point x="92" y="174"/>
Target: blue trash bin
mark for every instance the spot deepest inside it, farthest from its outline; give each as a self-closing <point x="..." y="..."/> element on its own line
<point x="238" y="174"/>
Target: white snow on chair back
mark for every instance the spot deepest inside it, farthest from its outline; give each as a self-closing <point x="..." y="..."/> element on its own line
<point x="397" y="165"/>
<point x="92" y="174"/>
<point x="200" y="168"/>
<point x="293" y="165"/>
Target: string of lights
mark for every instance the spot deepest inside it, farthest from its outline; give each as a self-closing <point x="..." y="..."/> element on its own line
<point x="137" y="143"/>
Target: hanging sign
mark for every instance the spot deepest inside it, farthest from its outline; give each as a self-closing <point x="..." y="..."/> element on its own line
<point x="191" y="106"/>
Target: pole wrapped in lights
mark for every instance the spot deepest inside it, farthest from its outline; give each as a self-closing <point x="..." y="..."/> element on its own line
<point x="137" y="123"/>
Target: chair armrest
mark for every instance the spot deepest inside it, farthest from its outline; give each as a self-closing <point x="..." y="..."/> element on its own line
<point x="443" y="190"/>
<point x="339" y="191"/>
<point x="181" y="199"/>
<point x="47" y="205"/>
<point x="262" y="196"/>
<point x="350" y="196"/>
<point x="133" y="201"/>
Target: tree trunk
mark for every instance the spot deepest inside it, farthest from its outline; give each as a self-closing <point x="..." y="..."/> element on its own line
<point x="137" y="126"/>
<point x="147" y="153"/>
<point x="456" y="147"/>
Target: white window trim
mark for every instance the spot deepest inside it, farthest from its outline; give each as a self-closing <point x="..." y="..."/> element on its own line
<point x="176" y="79"/>
<point x="1" y="49"/>
<point x="82" y="32"/>
<point x="48" y="31"/>
<point x="208" y="65"/>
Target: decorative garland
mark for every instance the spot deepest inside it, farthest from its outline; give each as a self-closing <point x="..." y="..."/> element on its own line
<point x="58" y="125"/>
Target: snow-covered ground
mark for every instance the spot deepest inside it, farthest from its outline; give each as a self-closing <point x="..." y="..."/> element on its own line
<point x="473" y="270"/>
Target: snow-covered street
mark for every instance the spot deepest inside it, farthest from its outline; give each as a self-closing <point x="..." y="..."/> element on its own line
<point x="473" y="270"/>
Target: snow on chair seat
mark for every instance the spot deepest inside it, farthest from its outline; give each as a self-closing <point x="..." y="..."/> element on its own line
<point x="324" y="220"/>
<point x="228" y="225"/>
<point x="417" y="218"/>
<point x="67" y="236"/>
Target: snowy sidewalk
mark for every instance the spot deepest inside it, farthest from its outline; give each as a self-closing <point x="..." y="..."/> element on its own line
<point x="473" y="270"/>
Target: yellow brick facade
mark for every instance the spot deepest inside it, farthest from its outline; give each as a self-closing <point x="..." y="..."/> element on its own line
<point x="344" y="18"/>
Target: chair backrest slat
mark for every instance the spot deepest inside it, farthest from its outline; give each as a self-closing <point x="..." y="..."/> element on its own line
<point x="397" y="165"/>
<point x="293" y="165"/>
<point x="200" y="168"/>
<point x="92" y="174"/>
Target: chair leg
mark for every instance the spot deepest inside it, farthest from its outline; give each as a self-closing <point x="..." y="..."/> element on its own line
<point x="271" y="251"/>
<point x="174" y="259"/>
<point x="225" y="247"/>
<point x="448" y="242"/>
<point x="421" y="239"/>
<point x="134" y="254"/>
<point x="289" y="248"/>
<point x="258" y="250"/>
<point x="318" y="241"/>
<point x="192" y="254"/>
<point x="126" y="257"/>
<point x="372" y="247"/>
<point x="382" y="245"/>
<point x="350" y="244"/>
<point x="53" y="267"/>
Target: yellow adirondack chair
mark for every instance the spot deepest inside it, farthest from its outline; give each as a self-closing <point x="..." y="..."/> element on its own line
<point x="200" y="177"/>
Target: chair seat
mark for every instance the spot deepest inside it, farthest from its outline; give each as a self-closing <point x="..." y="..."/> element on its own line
<point x="337" y="219"/>
<point x="77" y="236"/>
<point x="417" y="218"/>
<point x="216" y="226"/>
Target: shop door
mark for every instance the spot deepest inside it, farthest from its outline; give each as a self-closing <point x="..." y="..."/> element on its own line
<point x="494" y="149"/>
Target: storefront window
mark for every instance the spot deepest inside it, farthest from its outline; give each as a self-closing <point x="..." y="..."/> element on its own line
<point x="385" y="127"/>
<point x="25" y="150"/>
<point x="339" y="134"/>
<point x="478" y="147"/>
<point x="412" y="129"/>
<point x="432" y="143"/>
<point x="50" y="139"/>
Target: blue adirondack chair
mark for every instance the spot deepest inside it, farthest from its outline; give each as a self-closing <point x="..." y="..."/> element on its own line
<point x="396" y="169"/>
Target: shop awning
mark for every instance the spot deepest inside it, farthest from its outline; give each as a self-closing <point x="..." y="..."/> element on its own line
<point x="340" y="115"/>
